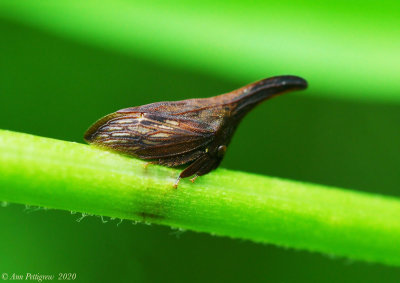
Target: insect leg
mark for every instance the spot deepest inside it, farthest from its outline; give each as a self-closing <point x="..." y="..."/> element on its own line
<point x="200" y="167"/>
<point x="194" y="178"/>
<point x="148" y="163"/>
<point x="177" y="182"/>
<point x="195" y="166"/>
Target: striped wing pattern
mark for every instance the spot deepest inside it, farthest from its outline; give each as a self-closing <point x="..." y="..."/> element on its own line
<point x="151" y="136"/>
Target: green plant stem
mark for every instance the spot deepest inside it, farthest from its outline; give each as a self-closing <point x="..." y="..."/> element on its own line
<point x="66" y="175"/>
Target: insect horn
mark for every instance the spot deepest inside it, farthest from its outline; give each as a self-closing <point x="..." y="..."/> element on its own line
<point x="249" y="96"/>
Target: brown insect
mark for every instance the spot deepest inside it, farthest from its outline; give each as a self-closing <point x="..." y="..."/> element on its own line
<point x="193" y="131"/>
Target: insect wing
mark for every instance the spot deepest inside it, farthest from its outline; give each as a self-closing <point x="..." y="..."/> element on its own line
<point x="149" y="135"/>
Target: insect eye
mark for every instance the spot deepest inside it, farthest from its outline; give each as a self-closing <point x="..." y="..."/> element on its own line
<point x="221" y="150"/>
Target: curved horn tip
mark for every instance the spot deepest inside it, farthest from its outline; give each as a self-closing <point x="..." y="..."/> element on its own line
<point x="293" y="80"/>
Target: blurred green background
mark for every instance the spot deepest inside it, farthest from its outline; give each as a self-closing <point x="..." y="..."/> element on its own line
<point x="62" y="66"/>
